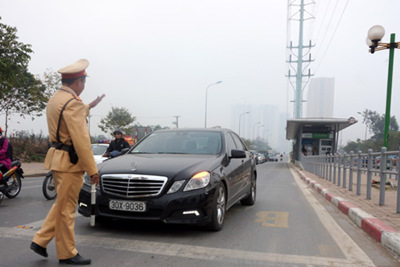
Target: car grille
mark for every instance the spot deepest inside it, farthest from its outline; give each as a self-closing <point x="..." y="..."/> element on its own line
<point x="133" y="185"/>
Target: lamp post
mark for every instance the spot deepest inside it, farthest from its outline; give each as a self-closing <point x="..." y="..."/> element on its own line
<point x="205" y="116"/>
<point x="365" y="137"/>
<point x="262" y="125"/>
<point x="254" y="128"/>
<point x="240" y="117"/>
<point x="375" y="34"/>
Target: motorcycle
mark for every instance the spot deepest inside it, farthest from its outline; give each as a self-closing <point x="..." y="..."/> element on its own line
<point x="10" y="182"/>
<point x="48" y="187"/>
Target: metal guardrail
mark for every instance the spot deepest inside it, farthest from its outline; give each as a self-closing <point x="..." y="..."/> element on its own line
<point x="335" y="168"/>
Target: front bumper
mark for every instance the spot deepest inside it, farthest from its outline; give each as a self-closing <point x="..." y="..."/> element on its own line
<point x="193" y="207"/>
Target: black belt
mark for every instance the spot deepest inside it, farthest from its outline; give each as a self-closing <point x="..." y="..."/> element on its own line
<point x="60" y="146"/>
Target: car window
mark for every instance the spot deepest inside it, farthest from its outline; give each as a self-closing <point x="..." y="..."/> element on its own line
<point x="180" y="142"/>
<point x="230" y="143"/>
<point x="239" y="143"/>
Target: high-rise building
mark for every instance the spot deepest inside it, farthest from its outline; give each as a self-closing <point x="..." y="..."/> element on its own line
<point x="320" y="97"/>
<point x="263" y="122"/>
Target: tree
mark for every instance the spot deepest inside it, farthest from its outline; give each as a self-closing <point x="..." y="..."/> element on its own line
<point x="117" y="118"/>
<point x="52" y="81"/>
<point x="20" y="92"/>
<point x="247" y="142"/>
<point x="261" y="145"/>
<point x="376" y="123"/>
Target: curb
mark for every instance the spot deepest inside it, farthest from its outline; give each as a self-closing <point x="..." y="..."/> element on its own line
<point x="378" y="230"/>
<point x="35" y="174"/>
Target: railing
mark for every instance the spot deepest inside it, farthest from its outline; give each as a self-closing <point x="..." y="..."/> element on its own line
<point x="336" y="167"/>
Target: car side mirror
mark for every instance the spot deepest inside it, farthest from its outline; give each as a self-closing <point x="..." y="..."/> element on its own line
<point x="238" y="154"/>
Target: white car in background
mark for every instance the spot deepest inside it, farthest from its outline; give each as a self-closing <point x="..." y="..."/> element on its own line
<point x="98" y="151"/>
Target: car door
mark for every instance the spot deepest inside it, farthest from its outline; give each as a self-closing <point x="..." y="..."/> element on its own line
<point x="234" y="170"/>
<point x="245" y="177"/>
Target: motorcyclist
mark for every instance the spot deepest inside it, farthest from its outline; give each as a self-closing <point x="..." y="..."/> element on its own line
<point x="116" y="145"/>
<point x="5" y="160"/>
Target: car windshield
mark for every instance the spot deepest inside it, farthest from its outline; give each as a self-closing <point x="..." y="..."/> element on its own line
<point x="181" y="142"/>
<point x="98" y="149"/>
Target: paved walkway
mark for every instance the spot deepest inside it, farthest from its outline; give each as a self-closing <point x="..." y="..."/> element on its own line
<point x="380" y="222"/>
<point x="33" y="169"/>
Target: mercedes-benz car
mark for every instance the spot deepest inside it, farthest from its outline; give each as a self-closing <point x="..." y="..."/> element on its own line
<point x="185" y="176"/>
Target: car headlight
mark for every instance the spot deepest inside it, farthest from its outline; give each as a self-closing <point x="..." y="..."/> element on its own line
<point x="199" y="180"/>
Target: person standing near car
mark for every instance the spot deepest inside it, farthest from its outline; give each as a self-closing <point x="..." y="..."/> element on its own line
<point x="67" y="132"/>
<point x="116" y="145"/>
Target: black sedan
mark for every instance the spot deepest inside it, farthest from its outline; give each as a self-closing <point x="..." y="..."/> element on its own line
<point x="189" y="176"/>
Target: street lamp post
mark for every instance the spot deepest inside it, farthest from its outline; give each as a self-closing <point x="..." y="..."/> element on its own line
<point x="240" y="117"/>
<point x="375" y="34"/>
<point x="365" y="136"/>
<point x="262" y="125"/>
<point x="205" y="116"/>
<point x="254" y="128"/>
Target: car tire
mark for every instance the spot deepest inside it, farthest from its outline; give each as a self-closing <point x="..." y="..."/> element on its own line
<point x="251" y="198"/>
<point x="218" y="209"/>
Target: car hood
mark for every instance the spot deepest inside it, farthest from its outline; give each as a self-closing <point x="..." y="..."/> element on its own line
<point x="169" y="165"/>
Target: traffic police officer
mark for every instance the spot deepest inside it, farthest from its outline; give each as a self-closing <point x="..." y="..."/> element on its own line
<point x="68" y="177"/>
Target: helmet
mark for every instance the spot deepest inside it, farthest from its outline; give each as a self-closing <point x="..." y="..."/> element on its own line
<point x="117" y="131"/>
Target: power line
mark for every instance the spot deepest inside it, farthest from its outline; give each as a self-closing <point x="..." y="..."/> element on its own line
<point x="334" y="32"/>
<point x="329" y="23"/>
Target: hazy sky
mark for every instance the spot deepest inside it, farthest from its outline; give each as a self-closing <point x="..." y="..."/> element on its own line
<point x="157" y="57"/>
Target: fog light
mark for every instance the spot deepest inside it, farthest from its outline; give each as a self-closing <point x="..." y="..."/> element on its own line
<point x="195" y="212"/>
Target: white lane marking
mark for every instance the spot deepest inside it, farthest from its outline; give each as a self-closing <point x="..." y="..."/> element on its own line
<point x="188" y="251"/>
<point x="349" y="248"/>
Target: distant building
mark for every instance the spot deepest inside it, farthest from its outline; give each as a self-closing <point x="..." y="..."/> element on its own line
<point x="320" y="97"/>
<point x="263" y="122"/>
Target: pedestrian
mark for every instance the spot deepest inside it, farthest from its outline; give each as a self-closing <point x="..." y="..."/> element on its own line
<point x="69" y="156"/>
<point x="116" y="145"/>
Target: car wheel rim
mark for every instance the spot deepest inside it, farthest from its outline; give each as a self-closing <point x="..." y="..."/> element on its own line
<point x="253" y="191"/>
<point x="221" y="205"/>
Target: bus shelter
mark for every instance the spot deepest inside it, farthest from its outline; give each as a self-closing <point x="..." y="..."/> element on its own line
<point x="315" y="136"/>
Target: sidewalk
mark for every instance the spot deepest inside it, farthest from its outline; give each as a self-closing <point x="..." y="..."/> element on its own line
<point x="381" y="222"/>
<point x="34" y="169"/>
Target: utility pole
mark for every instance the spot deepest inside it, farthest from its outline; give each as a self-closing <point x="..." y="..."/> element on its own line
<point x="296" y="64"/>
<point x="176" y="122"/>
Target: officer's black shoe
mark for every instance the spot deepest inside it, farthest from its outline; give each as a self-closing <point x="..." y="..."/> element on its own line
<point x="39" y="250"/>
<point x="77" y="260"/>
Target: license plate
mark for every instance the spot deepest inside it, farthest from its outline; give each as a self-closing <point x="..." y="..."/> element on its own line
<point x="135" y="206"/>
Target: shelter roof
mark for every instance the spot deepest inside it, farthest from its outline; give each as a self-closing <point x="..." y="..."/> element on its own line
<point x="335" y="124"/>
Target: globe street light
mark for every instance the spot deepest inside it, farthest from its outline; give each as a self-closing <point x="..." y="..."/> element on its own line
<point x="375" y="34"/>
<point x="240" y="117"/>
<point x="205" y="116"/>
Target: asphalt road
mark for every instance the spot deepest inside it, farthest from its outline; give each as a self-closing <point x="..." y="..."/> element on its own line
<point x="288" y="226"/>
